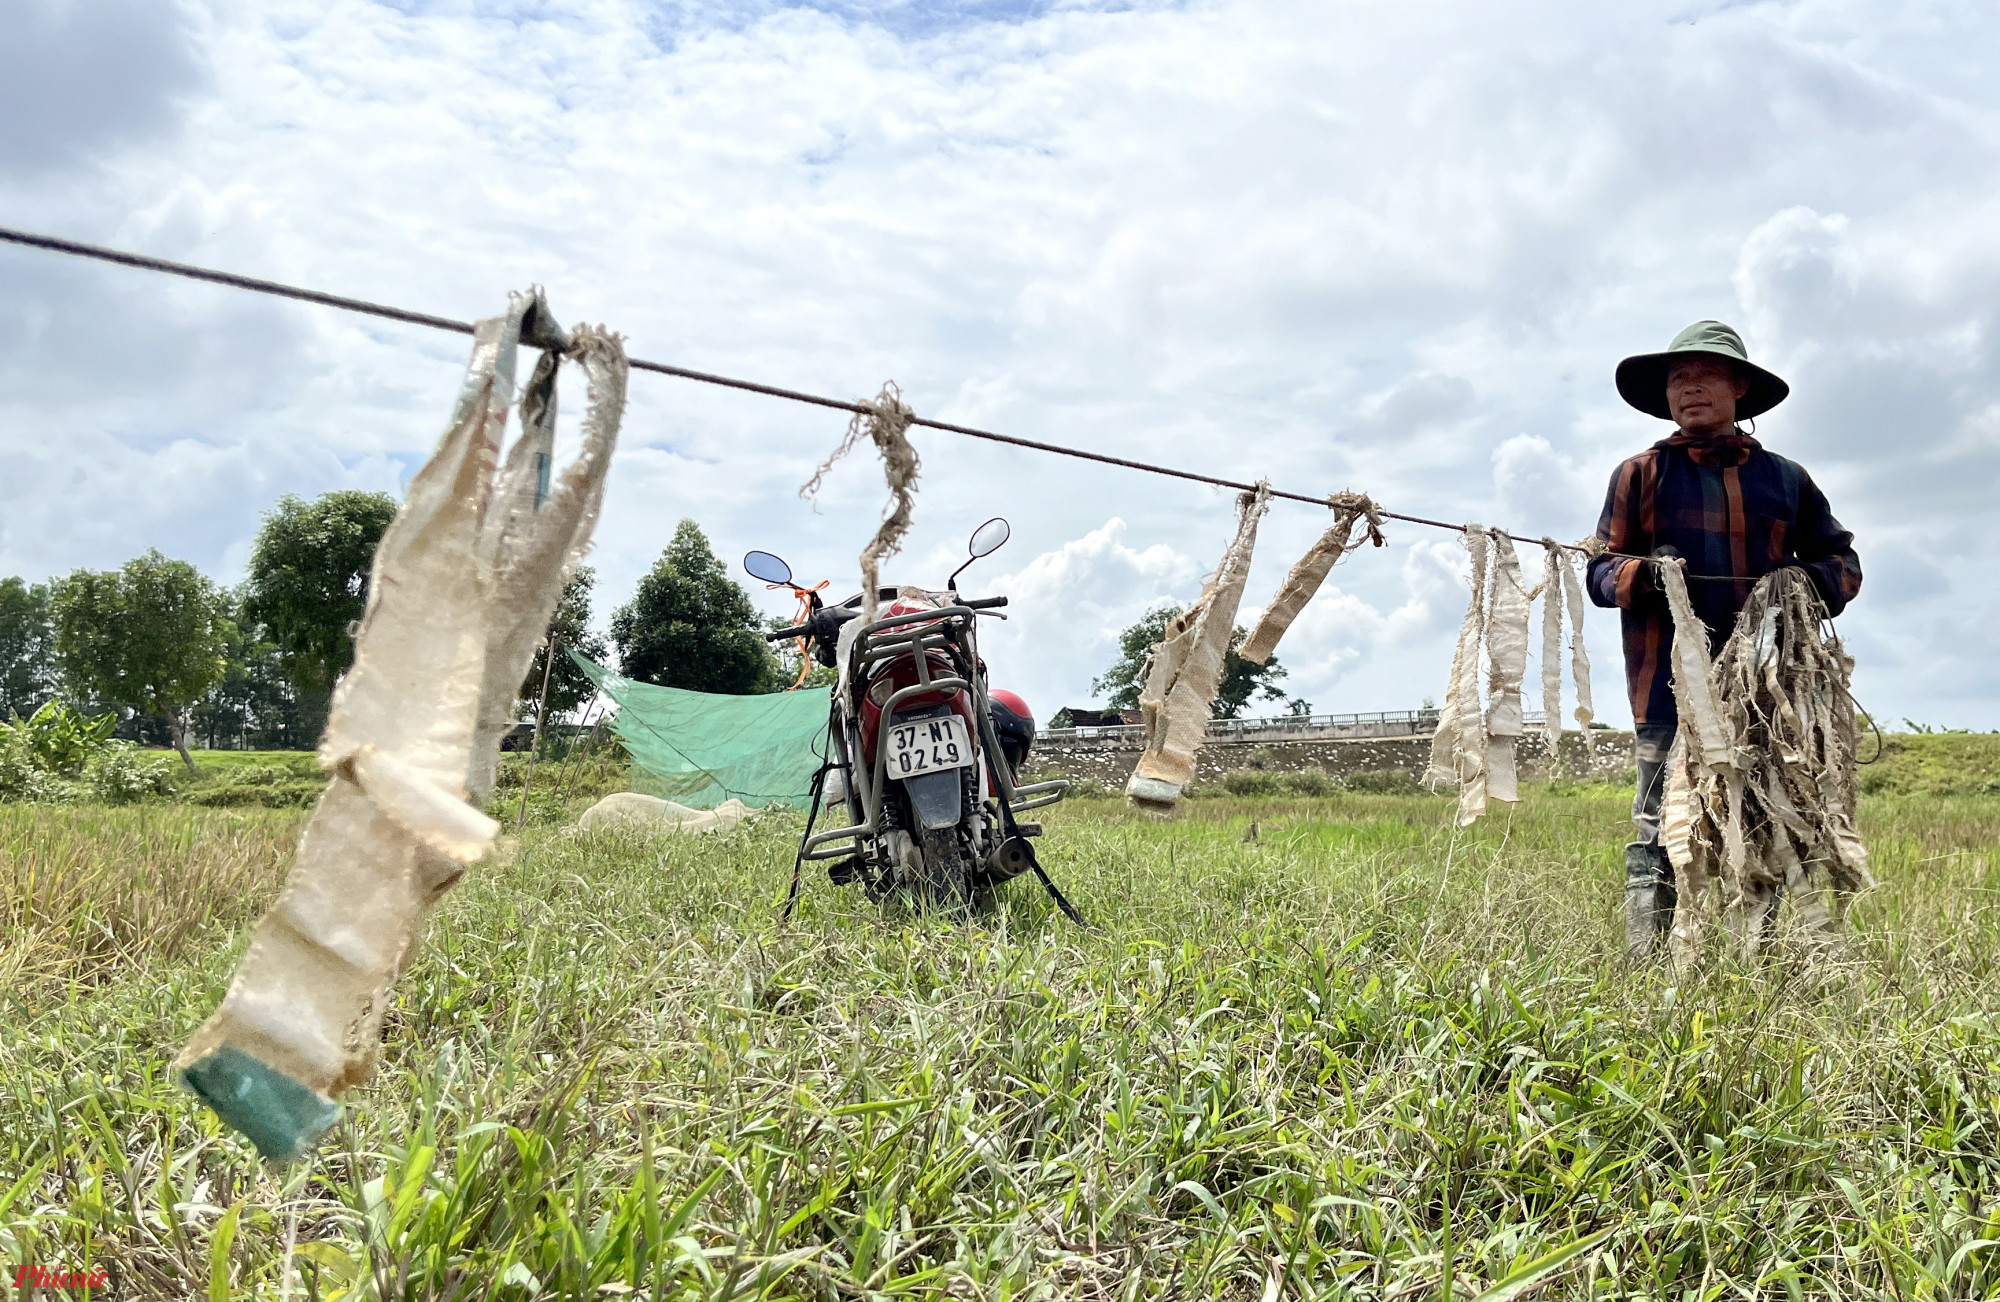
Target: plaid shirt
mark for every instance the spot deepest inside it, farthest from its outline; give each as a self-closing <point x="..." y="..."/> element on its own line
<point x="1730" y="508"/>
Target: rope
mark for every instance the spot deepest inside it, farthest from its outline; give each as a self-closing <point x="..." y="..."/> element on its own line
<point x="77" y="248"/>
<point x="1351" y="504"/>
<point x="55" y="244"/>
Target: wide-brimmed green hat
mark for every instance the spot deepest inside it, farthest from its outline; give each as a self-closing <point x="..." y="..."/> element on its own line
<point x="1642" y="380"/>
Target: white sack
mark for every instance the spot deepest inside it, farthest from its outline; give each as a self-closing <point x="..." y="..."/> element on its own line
<point x="634" y="811"/>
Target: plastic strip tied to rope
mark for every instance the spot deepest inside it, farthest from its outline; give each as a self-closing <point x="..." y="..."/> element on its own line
<point x="463" y="586"/>
<point x="1560" y="588"/>
<point x="1458" y="746"/>
<point x="1476" y="746"/>
<point x="1310" y="571"/>
<point x="1186" y="668"/>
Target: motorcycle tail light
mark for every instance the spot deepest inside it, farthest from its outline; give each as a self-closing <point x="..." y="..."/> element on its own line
<point x="882" y="689"/>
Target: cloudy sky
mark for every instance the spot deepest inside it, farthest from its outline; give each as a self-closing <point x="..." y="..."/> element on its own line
<point x="1389" y="245"/>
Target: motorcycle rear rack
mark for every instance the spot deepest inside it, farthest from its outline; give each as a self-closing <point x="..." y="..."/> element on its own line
<point x="916" y="634"/>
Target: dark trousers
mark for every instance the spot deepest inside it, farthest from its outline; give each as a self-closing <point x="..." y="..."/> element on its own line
<point x="1651" y="743"/>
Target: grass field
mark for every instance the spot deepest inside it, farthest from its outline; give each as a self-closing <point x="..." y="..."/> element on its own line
<point x="1361" y="1055"/>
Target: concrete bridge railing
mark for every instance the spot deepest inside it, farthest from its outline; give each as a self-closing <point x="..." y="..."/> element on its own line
<point x="1284" y="727"/>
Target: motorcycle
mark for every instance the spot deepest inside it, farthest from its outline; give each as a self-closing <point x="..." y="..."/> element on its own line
<point x="923" y="758"/>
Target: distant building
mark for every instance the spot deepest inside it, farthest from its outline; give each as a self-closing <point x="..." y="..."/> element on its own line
<point x="1076" y="716"/>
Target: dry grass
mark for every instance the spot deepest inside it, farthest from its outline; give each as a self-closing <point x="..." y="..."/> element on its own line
<point x="1360" y="1056"/>
<point x="87" y="889"/>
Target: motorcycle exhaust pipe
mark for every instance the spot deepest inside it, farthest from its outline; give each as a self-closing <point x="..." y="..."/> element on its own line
<point x="1009" y="859"/>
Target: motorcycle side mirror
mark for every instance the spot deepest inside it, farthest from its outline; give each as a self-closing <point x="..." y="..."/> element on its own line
<point x="769" y="568"/>
<point x="989" y="538"/>
<point x="986" y="539"/>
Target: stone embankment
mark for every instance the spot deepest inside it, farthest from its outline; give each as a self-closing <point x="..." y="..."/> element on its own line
<point x="1608" y="757"/>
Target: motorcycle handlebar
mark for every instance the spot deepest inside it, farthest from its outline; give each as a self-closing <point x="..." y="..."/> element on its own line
<point x="808" y="629"/>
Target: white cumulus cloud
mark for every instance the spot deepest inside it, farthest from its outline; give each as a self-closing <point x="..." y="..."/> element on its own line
<point x="1391" y="245"/>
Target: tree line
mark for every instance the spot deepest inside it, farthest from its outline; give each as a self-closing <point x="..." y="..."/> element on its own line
<point x="182" y="660"/>
<point x="1242" y="679"/>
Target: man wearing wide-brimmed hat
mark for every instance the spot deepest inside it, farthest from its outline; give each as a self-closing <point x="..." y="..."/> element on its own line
<point x="1711" y="499"/>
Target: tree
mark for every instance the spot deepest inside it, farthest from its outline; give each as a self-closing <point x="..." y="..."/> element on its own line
<point x="689" y="625"/>
<point x="308" y="580"/>
<point x="1241" y="679"/>
<point x="255" y="705"/>
<point x="569" y="686"/>
<point x="27" y="656"/>
<point x="151" y="637"/>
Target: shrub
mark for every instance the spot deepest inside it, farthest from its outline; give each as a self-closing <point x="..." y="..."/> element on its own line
<point x="1383" y="782"/>
<point x="118" y="775"/>
<point x="259" y="791"/>
<point x="1252" y="782"/>
<point x="46" y="757"/>
<point x="1311" y="782"/>
<point x="1262" y="782"/>
<point x="60" y="739"/>
<point x="15" y="768"/>
<point x="21" y="778"/>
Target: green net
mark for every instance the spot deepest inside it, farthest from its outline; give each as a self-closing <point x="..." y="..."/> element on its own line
<point x="699" y="750"/>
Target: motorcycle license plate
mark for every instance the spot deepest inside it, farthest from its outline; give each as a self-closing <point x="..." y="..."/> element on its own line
<point x="928" y="746"/>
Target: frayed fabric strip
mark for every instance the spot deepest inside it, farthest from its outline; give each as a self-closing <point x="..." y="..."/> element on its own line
<point x="1458" y="747"/>
<point x="886" y="424"/>
<point x="1560" y="589"/>
<point x="1579" y="656"/>
<point x="1186" y="670"/>
<point x="1476" y="747"/>
<point x="1694" y="694"/>
<point x="1507" y="665"/>
<point x="1551" y="590"/>
<point x="1310" y="571"/>
<point x="464" y="583"/>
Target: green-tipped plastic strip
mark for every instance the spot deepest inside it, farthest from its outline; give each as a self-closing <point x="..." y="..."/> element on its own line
<point x="279" y="1115"/>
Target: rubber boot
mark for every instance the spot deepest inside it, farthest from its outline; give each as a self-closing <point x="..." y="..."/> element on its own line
<point x="1649" y="899"/>
<point x="1755" y="922"/>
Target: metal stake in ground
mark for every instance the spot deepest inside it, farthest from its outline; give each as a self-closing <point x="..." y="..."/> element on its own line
<point x="582" y="743"/>
<point x="541" y="713"/>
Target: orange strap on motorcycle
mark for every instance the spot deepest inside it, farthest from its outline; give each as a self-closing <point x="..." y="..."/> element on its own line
<point x="805" y="596"/>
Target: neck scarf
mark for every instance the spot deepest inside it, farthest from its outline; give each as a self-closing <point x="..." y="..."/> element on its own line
<point x="1715" y="450"/>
